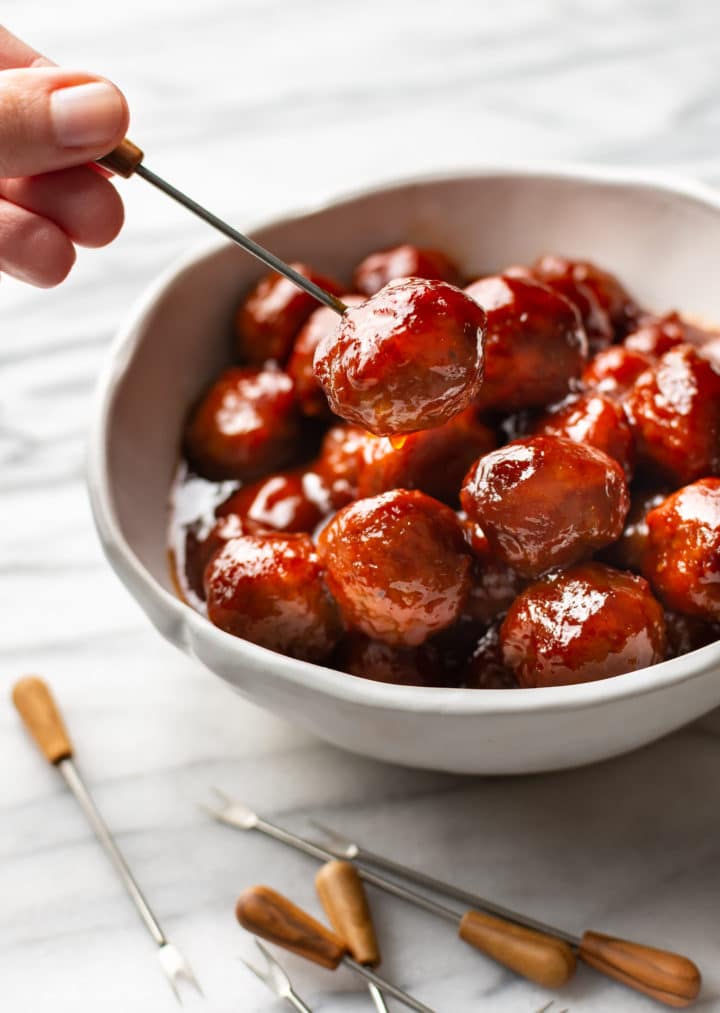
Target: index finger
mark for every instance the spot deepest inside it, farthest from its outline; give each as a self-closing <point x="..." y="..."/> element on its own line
<point x="16" y="53"/>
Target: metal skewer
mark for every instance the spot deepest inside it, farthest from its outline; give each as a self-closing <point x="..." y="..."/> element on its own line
<point x="343" y="847"/>
<point x="547" y="961"/>
<point x="127" y="160"/>
<point x="42" y="718"/>
<point x="275" y="977"/>
<point x="668" y="977"/>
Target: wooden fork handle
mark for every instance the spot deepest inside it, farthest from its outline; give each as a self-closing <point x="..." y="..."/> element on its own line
<point x="668" y="977"/>
<point x="37" y="708"/>
<point x="343" y="898"/>
<point x="124" y="159"/>
<point x="271" y="916"/>
<point x="548" y="961"/>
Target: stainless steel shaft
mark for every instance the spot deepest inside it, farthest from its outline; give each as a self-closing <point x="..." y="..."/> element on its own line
<point x="249" y="245"/>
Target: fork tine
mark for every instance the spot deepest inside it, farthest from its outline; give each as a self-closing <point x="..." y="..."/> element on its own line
<point x="222" y="795"/>
<point x="255" y="970"/>
<point x="176" y="968"/>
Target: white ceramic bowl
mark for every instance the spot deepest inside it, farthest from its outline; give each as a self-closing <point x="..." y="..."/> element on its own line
<point x="661" y="238"/>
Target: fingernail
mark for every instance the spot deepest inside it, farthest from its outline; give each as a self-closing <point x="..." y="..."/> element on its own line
<point x="85" y="114"/>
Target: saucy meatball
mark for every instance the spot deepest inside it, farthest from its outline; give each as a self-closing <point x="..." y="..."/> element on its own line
<point x="614" y="370"/>
<point x="682" y="557"/>
<point x="269" y="317"/>
<point x="546" y="501"/>
<point x="566" y="277"/>
<point x="588" y="279"/>
<point x="245" y="425"/>
<point x="535" y="345"/>
<point x="406" y="261"/>
<point x="595" y="420"/>
<point x="397" y="565"/>
<point x="270" y="590"/>
<point x="340" y="461"/>
<point x="322" y="322"/>
<point x="674" y="412"/>
<point x="199" y="550"/>
<point x="433" y="460"/>
<point x="588" y="622"/>
<point x="656" y="335"/>
<point x="409" y="358"/>
<point x="288" y="501"/>
<point x="402" y="666"/>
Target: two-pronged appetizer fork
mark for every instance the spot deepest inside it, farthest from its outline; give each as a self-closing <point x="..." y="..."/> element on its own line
<point x="42" y="718"/>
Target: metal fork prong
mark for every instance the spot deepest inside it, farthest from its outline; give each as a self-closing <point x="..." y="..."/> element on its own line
<point x="255" y="970"/>
<point x="343" y="846"/>
<point x="334" y="835"/>
<point x="222" y="795"/>
<point x="176" y="968"/>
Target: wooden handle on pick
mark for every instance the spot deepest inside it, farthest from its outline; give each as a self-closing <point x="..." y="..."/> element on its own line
<point x="342" y="896"/>
<point x="668" y="977"/>
<point x="37" y="708"/>
<point x="124" y="159"/>
<point x="268" y="914"/>
<point x="549" y="962"/>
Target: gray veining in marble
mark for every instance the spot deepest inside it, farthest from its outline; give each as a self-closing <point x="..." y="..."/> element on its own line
<point x="258" y="106"/>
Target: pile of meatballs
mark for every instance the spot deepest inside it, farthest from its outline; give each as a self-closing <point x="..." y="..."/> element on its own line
<point x="507" y="483"/>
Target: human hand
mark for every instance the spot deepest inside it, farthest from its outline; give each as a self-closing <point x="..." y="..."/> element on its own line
<point x="53" y="122"/>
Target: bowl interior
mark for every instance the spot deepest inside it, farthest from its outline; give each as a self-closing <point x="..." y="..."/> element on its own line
<point x="660" y="242"/>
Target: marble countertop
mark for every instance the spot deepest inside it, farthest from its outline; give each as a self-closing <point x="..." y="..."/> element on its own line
<point x="258" y="106"/>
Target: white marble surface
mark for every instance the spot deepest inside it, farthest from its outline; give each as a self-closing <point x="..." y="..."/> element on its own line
<point x="259" y="106"/>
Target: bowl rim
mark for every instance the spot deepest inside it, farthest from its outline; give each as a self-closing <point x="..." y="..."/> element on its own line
<point x="349" y="688"/>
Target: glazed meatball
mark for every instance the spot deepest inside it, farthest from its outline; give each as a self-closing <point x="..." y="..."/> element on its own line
<point x="340" y="461"/>
<point x="404" y="666"/>
<point x="245" y="425"/>
<point x="288" y="501"/>
<point x="486" y="668"/>
<point x="595" y="420"/>
<point x="614" y="370"/>
<point x="406" y="261"/>
<point x="565" y="277"/>
<point x="674" y="412"/>
<point x="433" y="460"/>
<point x="270" y="590"/>
<point x="269" y="317"/>
<point x="546" y="501"/>
<point x="200" y="549"/>
<point x="628" y="551"/>
<point x="321" y="323"/>
<point x="583" y="278"/>
<point x="397" y="565"/>
<point x="588" y="622"/>
<point x="535" y="345"/>
<point x="495" y="585"/>
<point x="656" y="335"/>
<point x="409" y="358"/>
<point x="682" y="557"/>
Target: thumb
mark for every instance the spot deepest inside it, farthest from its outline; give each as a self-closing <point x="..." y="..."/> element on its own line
<point x="52" y="118"/>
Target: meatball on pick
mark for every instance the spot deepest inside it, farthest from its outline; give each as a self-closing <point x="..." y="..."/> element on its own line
<point x="409" y="358"/>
